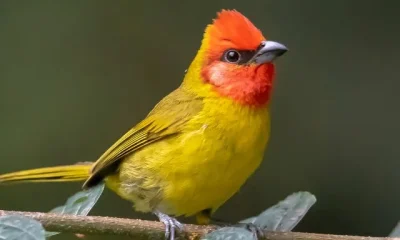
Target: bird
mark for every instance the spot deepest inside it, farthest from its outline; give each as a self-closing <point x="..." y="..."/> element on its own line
<point x="199" y="144"/>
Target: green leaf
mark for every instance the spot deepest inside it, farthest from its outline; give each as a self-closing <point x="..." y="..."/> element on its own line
<point x="396" y="231"/>
<point x="17" y="227"/>
<point x="79" y="204"/>
<point x="229" y="233"/>
<point x="285" y="215"/>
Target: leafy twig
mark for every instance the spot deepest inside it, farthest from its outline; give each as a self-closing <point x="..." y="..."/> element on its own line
<point x="141" y="229"/>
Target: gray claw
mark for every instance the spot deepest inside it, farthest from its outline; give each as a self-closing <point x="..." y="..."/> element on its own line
<point x="171" y="225"/>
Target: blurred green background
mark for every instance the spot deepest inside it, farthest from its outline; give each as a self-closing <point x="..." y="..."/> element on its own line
<point x="75" y="75"/>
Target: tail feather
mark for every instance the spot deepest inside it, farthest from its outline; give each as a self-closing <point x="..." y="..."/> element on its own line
<point x="69" y="173"/>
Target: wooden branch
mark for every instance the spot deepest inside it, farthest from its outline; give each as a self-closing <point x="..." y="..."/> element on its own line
<point x="142" y="229"/>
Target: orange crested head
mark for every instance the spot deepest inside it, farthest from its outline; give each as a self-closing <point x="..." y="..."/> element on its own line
<point x="232" y="30"/>
<point x="237" y="60"/>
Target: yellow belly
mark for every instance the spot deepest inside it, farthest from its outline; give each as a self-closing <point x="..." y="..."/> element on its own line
<point x="200" y="168"/>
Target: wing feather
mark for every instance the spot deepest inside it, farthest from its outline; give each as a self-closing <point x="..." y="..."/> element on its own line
<point x="168" y="118"/>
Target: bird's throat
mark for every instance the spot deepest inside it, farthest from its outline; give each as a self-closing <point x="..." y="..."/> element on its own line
<point x="250" y="85"/>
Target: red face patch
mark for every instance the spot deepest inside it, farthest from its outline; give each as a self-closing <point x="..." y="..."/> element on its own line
<point x="248" y="84"/>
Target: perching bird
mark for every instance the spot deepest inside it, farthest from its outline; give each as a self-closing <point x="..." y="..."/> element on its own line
<point x="201" y="142"/>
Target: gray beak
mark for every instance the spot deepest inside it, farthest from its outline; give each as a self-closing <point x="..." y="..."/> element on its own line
<point x="267" y="52"/>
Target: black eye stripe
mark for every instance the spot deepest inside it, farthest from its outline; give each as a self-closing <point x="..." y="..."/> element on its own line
<point x="245" y="55"/>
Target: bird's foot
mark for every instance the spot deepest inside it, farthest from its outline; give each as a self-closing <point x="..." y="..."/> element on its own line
<point x="171" y="225"/>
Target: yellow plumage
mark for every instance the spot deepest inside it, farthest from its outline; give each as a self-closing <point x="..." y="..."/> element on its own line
<point x="200" y="168"/>
<point x="218" y="145"/>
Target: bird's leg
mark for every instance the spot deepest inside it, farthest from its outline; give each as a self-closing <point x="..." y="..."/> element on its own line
<point x="204" y="217"/>
<point x="171" y="225"/>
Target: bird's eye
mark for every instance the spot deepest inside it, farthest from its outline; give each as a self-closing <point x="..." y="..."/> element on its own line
<point x="232" y="56"/>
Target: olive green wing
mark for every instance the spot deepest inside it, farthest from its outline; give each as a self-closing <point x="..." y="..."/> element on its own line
<point x="167" y="119"/>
